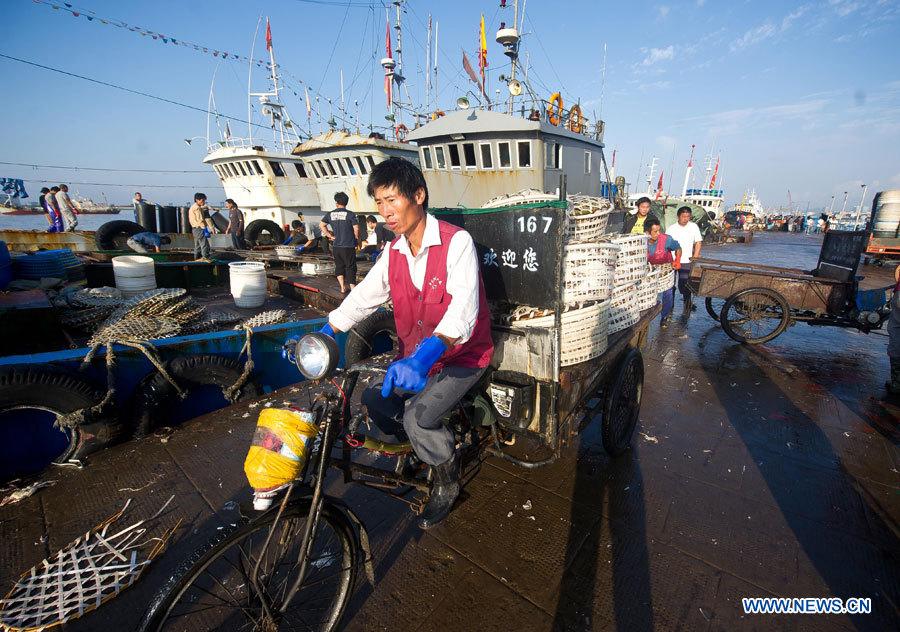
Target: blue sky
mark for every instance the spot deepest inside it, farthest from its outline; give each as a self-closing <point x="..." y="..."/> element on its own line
<point x="794" y="95"/>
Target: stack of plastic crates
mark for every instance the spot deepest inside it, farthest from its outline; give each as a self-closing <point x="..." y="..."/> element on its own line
<point x="588" y="217"/>
<point x="646" y="292"/>
<point x="584" y="330"/>
<point x="631" y="263"/>
<point x="665" y="277"/>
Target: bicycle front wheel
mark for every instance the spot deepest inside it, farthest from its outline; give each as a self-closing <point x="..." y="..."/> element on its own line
<point x="214" y="591"/>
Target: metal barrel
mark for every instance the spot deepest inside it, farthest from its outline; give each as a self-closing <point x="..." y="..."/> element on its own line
<point x="184" y="223"/>
<point x="886" y="214"/>
<point x="168" y="219"/>
<point x="146" y="216"/>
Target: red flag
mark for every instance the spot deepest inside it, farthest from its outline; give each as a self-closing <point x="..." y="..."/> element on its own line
<point x="659" y="186"/>
<point x="387" y="39"/>
<point x="467" y="66"/>
<point x="268" y="35"/>
<point x="712" y="182"/>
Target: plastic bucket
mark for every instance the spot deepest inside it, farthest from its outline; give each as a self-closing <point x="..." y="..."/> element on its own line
<point x="134" y="274"/>
<point x="248" y="283"/>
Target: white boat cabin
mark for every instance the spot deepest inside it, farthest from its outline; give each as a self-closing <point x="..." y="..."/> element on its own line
<point x="470" y="156"/>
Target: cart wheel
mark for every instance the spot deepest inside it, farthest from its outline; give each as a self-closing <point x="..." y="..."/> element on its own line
<point x="623" y="403"/>
<point x="755" y="315"/>
<point x="714" y="307"/>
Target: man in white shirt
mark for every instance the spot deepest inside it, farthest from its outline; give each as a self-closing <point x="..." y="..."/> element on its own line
<point x="67" y="208"/>
<point x="688" y="236"/>
<point x="431" y="274"/>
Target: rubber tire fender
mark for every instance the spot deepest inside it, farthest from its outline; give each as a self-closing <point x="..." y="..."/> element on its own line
<point x="332" y="511"/>
<point x="61" y="392"/>
<point x="154" y="392"/>
<point x="360" y="337"/>
<point x="112" y="235"/>
<point x="254" y="229"/>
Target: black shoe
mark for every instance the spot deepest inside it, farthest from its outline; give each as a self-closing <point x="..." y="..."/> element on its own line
<point x="444" y="490"/>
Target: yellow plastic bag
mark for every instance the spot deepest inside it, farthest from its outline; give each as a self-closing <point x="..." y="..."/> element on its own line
<point x="279" y="448"/>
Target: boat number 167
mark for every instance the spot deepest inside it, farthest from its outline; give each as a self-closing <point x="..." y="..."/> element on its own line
<point x="530" y="224"/>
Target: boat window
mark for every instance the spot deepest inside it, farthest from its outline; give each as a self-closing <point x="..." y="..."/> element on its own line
<point x="340" y="166"/>
<point x="557" y="158"/>
<point x="524" y="147"/>
<point x="587" y="162"/>
<point x="549" y="154"/>
<point x="505" y="160"/>
<point x="257" y="166"/>
<point x="330" y="167"/>
<point x="362" y="166"/>
<point x="371" y="162"/>
<point x="315" y="169"/>
<point x="350" y="168"/>
<point x="439" y="159"/>
<point x="300" y="169"/>
<point x="218" y="171"/>
<point x="454" y="156"/>
<point x="276" y="168"/>
<point x="487" y="156"/>
<point x="240" y="168"/>
<point x="469" y="155"/>
<point x="248" y="167"/>
<point x="231" y="169"/>
<point x="426" y="157"/>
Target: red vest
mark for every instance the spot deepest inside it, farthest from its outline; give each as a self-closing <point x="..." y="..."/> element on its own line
<point x="661" y="255"/>
<point x="418" y="312"/>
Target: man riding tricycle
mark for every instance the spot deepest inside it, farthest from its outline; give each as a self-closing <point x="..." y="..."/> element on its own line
<point x="456" y="388"/>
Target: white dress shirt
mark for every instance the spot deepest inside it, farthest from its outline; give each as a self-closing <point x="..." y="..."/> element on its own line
<point x="686" y="236"/>
<point x="462" y="284"/>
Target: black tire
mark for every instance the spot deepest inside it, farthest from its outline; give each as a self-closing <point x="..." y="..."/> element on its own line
<point x="231" y="539"/>
<point x="113" y="235"/>
<point x="155" y="396"/>
<point x="763" y="304"/>
<point x="58" y="392"/>
<point x="219" y="221"/>
<point x="714" y="307"/>
<point x="263" y="232"/>
<point x="372" y="333"/>
<point x="623" y="403"/>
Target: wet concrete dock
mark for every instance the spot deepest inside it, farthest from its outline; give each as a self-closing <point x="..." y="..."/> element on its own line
<point x="756" y="471"/>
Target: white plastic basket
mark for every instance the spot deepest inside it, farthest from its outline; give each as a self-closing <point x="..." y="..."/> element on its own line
<point x="646" y="293"/>
<point x="623" y="308"/>
<point x="525" y="196"/>
<point x="588" y="272"/>
<point x="588" y="217"/>
<point x="286" y="252"/>
<point x="664" y="275"/>
<point x="631" y="263"/>
<point x="584" y="331"/>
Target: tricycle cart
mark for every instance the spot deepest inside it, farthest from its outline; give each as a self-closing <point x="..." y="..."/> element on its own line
<point x="761" y="302"/>
<point x="296" y="563"/>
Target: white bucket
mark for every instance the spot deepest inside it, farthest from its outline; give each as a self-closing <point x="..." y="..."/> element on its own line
<point x="248" y="283"/>
<point x="134" y="274"/>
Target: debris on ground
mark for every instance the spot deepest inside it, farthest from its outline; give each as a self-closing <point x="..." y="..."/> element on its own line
<point x="22" y="493"/>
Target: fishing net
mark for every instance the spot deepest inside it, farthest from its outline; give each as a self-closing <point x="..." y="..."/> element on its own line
<point x="84" y="575"/>
<point x="270" y="317"/>
<point x="137" y="329"/>
<point x="97" y="297"/>
<point x="86" y="319"/>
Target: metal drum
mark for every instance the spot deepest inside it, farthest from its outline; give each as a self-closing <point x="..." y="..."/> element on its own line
<point x="184" y="222"/>
<point x="886" y="214"/>
<point x="168" y="219"/>
<point x="146" y="216"/>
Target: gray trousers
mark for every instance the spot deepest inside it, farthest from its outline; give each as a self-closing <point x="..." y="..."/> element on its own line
<point x="422" y="413"/>
<point x="893" y="328"/>
<point x="69" y="217"/>
<point x="201" y="244"/>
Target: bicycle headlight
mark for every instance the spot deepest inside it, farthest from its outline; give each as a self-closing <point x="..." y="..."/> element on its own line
<point x="317" y="356"/>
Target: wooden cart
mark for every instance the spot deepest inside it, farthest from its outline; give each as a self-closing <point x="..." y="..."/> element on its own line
<point x="756" y="303"/>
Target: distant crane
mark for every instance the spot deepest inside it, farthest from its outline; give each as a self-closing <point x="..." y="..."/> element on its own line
<point x="790" y="203"/>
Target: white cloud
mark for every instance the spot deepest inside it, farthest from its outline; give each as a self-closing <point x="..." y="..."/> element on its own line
<point x="656" y="55"/>
<point x="844" y="7"/>
<point x="754" y="36"/>
<point x="700" y="3"/>
<point x="794" y="15"/>
<point x="663" y="11"/>
<point x="747" y="119"/>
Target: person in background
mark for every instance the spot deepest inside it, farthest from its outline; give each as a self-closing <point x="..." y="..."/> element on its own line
<point x="660" y="251"/>
<point x="893" y="385"/>
<point x="53" y="208"/>
<point x="147" y="241"/>
<point x="235" y="226"/>
<point x="201" y="226"/>
<point x="136" y="202"/>
<point x="42" y="200"/>
<point x="342" y="228"/>
<point x="297" y="236"/>
<point x="634" y="224"/>
<point x="688" y="236"/>
<point x="378" y="237"/>
<point x="67" y="208"/>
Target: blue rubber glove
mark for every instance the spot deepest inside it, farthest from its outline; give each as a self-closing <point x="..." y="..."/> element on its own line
<point x="411" y="373"/>
<point x="206" y="233"/>
<point x="327" y="330"/>
<point x="300" y="248"/>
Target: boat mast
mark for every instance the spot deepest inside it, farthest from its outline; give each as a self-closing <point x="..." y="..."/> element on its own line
<point x="652" y="165"/>
<point x="249" y="84"/>
<point x="428" y="67"/>
<point x="509" y="39"/>
<point x="687" y="173"/>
